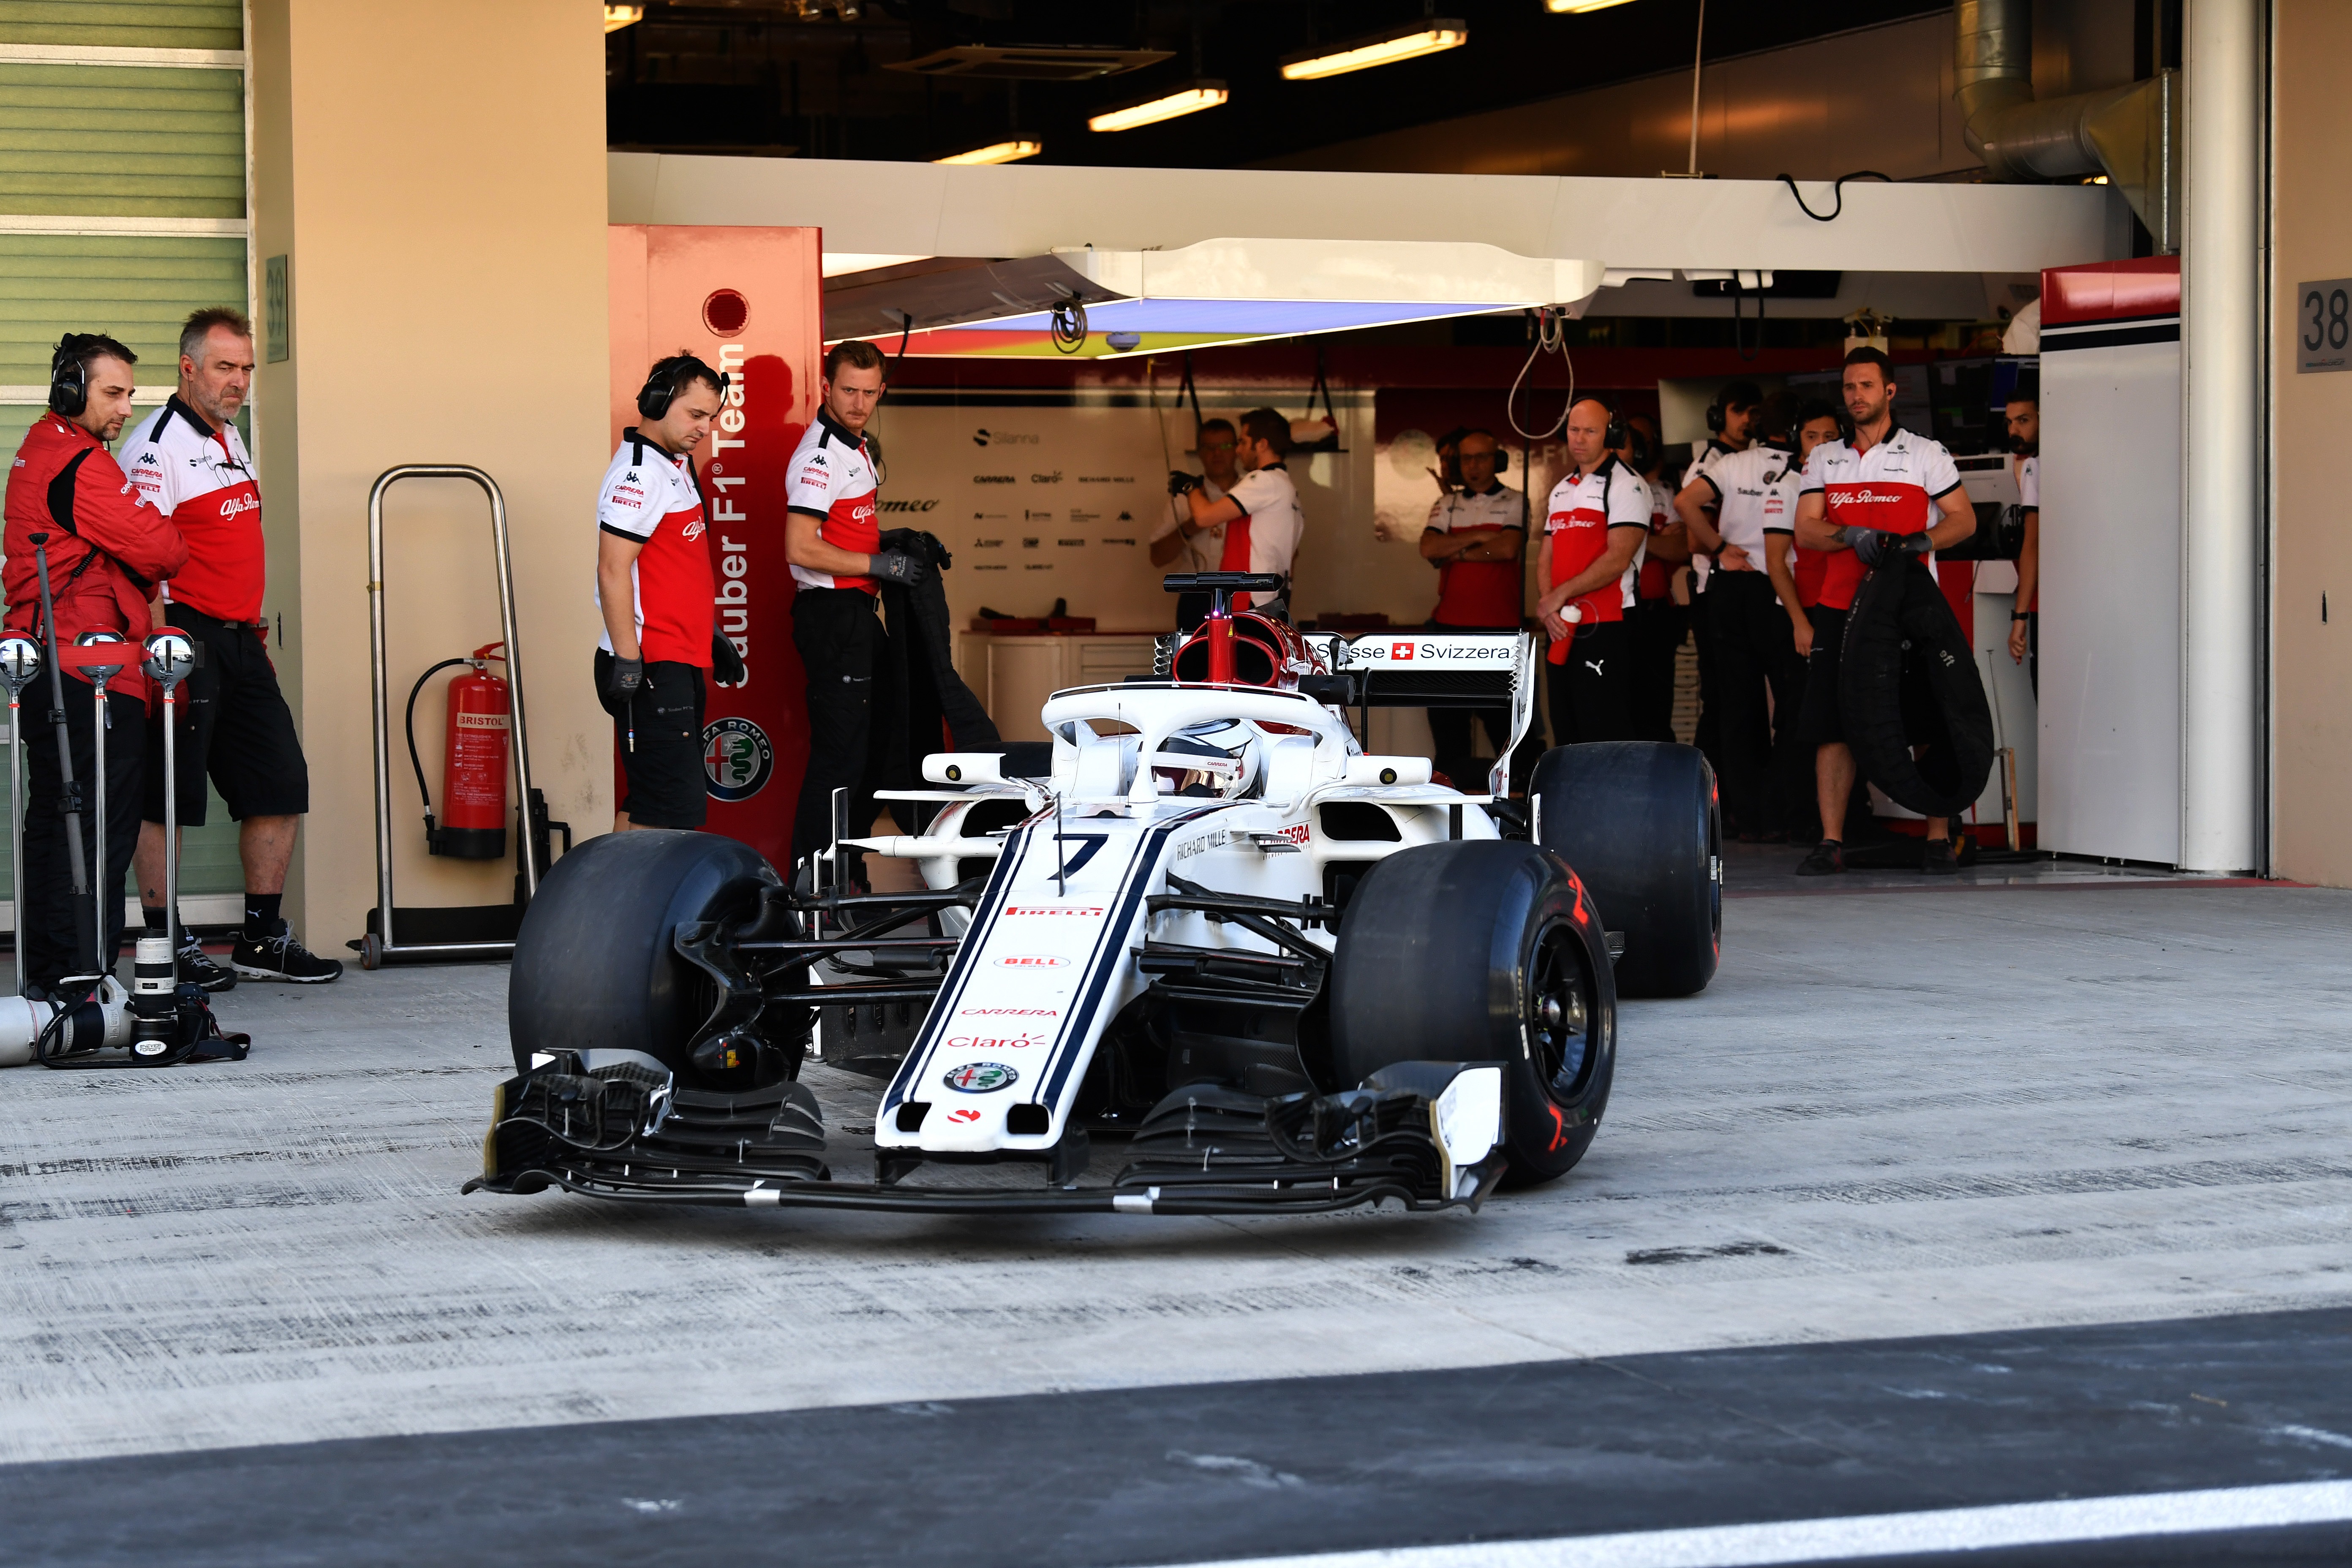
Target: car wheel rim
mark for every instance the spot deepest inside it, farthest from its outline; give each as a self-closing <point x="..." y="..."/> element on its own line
<point x="1559" y="1014"/>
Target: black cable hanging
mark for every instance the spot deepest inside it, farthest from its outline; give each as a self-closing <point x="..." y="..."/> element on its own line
<point x="1837" y="190"/>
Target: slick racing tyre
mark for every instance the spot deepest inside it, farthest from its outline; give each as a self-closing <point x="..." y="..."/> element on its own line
<point x="1901" y="615"/>
<point x="1482" y="951"/>
<point x="1640" y="821"/>
<point x="594" y="965"/>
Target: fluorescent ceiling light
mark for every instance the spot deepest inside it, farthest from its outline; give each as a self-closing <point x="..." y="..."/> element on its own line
<point x="995" y="153"/>
<point x="1167" y="106"/>
<point x="1384" y="49"/>
<point x="619" y="17"/>
<point x="1578" y="7"/>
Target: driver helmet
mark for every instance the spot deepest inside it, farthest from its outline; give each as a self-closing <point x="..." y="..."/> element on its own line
<point x="1227" y="768"/>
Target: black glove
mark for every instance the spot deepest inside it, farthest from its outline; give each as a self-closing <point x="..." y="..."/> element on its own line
<point x="1179" y="481"/>
<point x="896" y="566"/>
<point x="1914" y="544"/>
<point x="726" y="664"/>
<point x="1871" y="545"/>
<point x="628" y="680"/>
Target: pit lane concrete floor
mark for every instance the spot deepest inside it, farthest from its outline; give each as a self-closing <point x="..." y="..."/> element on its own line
<point x="1903" y="1108"/>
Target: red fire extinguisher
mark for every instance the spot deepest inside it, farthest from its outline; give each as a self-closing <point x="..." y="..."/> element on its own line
<point x="474" y="760"/>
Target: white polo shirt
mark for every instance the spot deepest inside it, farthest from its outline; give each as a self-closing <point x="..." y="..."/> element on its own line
<point x="1743" y="484"/>
<point x="1271" y="524"/>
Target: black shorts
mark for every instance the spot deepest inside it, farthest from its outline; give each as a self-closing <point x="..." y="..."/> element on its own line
<point x="1819" y="724"/>
<point x="666" y="785"/>
<point x="233" y="726"/>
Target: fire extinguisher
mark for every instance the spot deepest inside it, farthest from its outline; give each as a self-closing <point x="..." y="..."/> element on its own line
<point x="474" y="760"/>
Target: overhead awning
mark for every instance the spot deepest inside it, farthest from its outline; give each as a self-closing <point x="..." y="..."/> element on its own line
<point x="1216" y="291"/>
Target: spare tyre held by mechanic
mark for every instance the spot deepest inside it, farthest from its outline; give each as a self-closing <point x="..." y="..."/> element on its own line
<point x="189" y="463"/>
<point x="1260" y="515"/>
<point x="834" y="544"/>
<point x="1882" y="499"/>
<point x="107" y="550"/>
<point x="657" y="598"/>
<point x="1595" y="527"/>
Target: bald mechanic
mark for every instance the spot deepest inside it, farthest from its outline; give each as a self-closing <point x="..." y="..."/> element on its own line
<point x="107" y="549"/>
<point x="834" y="539"/>
<point x="657" y="599"/>
<point x="1882" y="499"/>
<point x="1260" y="515"/>
<point x="1594" y="526"/>
<point x="190" y="464"/>
<point x="1476" y="537"/>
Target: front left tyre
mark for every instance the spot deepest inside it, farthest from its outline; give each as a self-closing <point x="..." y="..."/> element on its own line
<point x="1476" y="950"/>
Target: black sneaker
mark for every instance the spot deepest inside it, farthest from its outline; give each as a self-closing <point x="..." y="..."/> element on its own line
<point x="280" y="956"/>
<point x="1940" y="860"/>
<point x="197" y="966"/>
<point x="1827" y="859"/>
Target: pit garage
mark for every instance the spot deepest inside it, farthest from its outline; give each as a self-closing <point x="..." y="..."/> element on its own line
<point x="1918" y="1217"/>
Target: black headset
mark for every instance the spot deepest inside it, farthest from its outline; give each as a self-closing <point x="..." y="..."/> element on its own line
<point x="668" y="378"/>
<point x="1716" y="410"/>
<point x="1502" y="453"/>
<point x="69" y="374"/>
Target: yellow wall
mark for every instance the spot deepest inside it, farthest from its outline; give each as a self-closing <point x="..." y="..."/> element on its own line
<point x="2312" y="692"/>
<point x="435" y="172"/>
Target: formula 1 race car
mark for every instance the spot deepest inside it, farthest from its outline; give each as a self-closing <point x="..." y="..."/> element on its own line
<point x="1287" y="975"/>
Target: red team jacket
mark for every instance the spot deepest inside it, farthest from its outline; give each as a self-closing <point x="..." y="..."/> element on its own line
<point x="107" y="548"/>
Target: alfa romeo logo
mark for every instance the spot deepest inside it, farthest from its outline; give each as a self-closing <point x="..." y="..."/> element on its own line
<point x="981" y="1077"/>
<point x="737" y="757"/>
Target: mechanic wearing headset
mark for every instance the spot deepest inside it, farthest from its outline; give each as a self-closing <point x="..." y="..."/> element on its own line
<point x="1750" y="624"/>
<point x="834" y="539"/>
<point x="1731" y="421"/>
<point x="189" y="463"/>
<point x="1261" y="516"/>
<point x="1476" y="537"/>
<point x="1659" y="623"/>
<point x="1869" y="501"/>
<point x="107" y="550"/>
<point x="1594" y="526"/>
<point x="2024" y="413"/>
<point x="655" y="592"/>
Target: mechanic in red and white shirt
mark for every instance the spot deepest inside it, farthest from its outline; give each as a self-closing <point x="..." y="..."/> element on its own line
<point x="1477" y="537"/>
<point x="1260" y="515"/>
<point x="189" y="463"/>
<point x="1661" y="624"/>
<point x="1882" y="499"/>
<point x="1217" y="443"/>
<point x="833" y="536"/>
<point x="656" y="595"/>
<point x="1594" y="528"/>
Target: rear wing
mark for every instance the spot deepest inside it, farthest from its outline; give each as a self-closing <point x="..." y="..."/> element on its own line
<point x="1425" y="670"/>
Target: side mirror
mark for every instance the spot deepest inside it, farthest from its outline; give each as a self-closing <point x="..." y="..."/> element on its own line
<point x="964" y="768"/>
<point x="1388" y="771"/>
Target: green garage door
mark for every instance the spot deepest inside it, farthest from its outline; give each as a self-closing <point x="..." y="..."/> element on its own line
<point x="122" y="208"/>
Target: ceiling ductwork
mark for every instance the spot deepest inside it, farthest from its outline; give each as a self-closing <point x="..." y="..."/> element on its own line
<point x="2131" y="133"/>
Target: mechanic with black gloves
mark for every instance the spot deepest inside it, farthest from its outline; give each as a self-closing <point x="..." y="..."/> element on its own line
<point x="2024" y="412"/>
<point x="834" y="544"/>
<point x="107" y="549"/>
<point x="190" y="464"/>
<point x="1177" y="535"/>
<point x="656" y="595"/>
<point x="1869" y="501"/>
<point x="1260" y="515"/>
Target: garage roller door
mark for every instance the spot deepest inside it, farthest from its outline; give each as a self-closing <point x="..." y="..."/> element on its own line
<point x="122" y="208"/>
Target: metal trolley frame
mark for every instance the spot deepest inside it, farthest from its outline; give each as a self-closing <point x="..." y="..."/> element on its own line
<point x="382" y="945"/>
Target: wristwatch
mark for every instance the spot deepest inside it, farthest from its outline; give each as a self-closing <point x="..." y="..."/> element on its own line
<point x="2022" y="616"/>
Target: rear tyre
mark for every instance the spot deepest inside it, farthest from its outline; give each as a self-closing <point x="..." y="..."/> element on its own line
<point x="1482" y="951"/>
<point x="1640" y="823"/>
<point x="594" y="967"/>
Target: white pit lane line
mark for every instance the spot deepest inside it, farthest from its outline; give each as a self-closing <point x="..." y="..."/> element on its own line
<point x="1874" y="1535"/>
